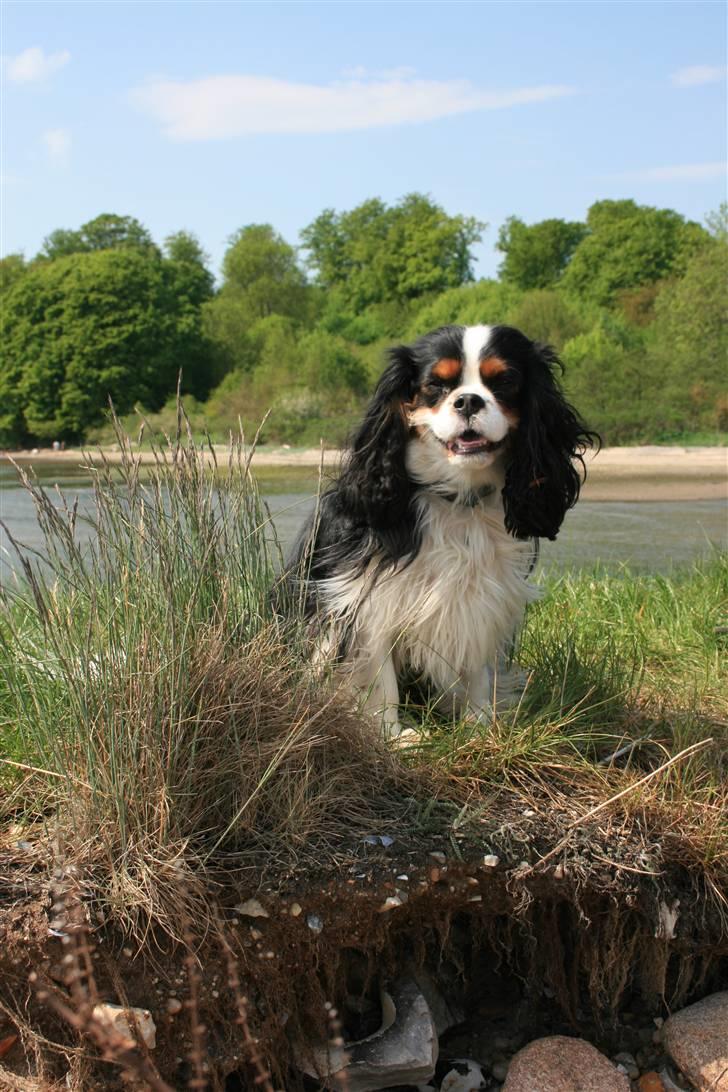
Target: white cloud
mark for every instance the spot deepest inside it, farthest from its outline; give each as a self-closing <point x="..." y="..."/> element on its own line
<point x="33" y="64"/>
<point x="698" y="74"/>
<point x="683" y="172"/>
<point x="220" y="107"/>
<point x="58" y="146"/>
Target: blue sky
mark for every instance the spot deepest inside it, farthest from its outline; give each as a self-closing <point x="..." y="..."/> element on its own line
<point x="208" y="116"/>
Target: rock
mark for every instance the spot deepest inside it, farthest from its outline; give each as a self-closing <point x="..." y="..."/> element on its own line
<point x="465" y="1076"/>
<point x="390" y="903"/>
<point x="499" y="1070"/>
<point x="491" y="861"/>
<point x="667" y="919"/>
<point x="314" y="923"/>
<point x="444" y="1009"/>
<point x="122" y="1021"/>
<point x="628" y="1064"/>
<point x="403" y="1051"/>
<point x="651" y="1082"/>
<point x="668" y="1082"/>
<point x="252" y="909"/>
<point x="174" y="1005"/>
<point x="560" y="1064"/>
<point x="696" y="1038"/>
<point x="295" y="909"/>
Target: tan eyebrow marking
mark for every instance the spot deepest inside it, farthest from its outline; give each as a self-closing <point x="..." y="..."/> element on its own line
<point x="447" y="368"/>
<point x="492" y="366"/>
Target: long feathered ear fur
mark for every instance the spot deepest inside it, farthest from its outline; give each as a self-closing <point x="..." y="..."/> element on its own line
<point x="374" y="487"/>
<point x="542" y="482"/>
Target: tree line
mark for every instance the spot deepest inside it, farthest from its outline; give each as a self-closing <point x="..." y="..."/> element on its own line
<point x="632" y="298"/>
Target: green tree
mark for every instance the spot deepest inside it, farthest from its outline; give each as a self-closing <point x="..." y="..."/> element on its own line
<point x="485" y="301"/>
<point x="105" y="232"/>
<point x="12" y="267"/>
<point x="690" y="340"/>
<point x="629" y="245"/>
<point x="547" y="316"/>
<point x="537" y="254"/>
<point x="190" y="287"/>
<point x="82" y="329"/>
<point x="376" y="254"/>
<point x="610" y="379"/>
<point x="261" y="272"/>
<point x="262" y="279"/>
<point x="717" y="222"/>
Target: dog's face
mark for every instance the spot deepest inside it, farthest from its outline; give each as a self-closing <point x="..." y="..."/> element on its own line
<point x="465" y="406"/>
<point x="466" y="402"/>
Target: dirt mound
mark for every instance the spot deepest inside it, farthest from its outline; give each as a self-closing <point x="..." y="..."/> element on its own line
<point x="566" y="930"/>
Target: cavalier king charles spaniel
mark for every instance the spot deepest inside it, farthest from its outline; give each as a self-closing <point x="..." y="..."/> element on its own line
<point x="415" y="565"/>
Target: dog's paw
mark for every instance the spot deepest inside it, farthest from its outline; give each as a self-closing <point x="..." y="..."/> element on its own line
<point x="508" y="687"/>
<point x="408" y="737"/>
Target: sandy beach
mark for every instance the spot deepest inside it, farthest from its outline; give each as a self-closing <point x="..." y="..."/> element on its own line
<point x="649" y="473"/>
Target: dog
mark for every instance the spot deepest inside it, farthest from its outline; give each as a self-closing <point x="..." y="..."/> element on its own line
<point x="415" y="564"/>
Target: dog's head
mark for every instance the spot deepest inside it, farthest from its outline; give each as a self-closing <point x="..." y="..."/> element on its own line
<point x="464" y="408"/>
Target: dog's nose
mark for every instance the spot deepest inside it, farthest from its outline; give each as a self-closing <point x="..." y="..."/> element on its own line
<point x="468" y="404"/>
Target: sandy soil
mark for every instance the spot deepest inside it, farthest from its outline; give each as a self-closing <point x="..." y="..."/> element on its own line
<point x="614" y="474"/>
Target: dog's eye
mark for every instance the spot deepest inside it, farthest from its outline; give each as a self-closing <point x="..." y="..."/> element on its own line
<point x="434" y="385"/>
<point x="506" y="381"/>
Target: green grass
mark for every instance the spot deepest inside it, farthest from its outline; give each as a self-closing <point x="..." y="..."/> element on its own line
<point x="156" y="714"/>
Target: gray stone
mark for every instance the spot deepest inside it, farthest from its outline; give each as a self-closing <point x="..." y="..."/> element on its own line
<point x="125" y="1021"/>
<point x="560" y="1064"/>
<point x="696" y="1038"/>
<point x="403" y="1051"/>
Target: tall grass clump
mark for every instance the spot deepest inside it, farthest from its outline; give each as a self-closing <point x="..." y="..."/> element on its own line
<point x="158" y="716"/>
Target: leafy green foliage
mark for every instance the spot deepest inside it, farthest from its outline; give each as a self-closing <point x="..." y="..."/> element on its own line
<point x="483" y="301"/>
<point x="80" y="330"/>
<point x="12" y="267"/>
<point x="376" y="253"/>
<point x="691" y="339"/>
<point x="629" y="245"/>
<point x="631" y="299"/>
<point x="537" y="254"/>
<point x="105" y="232"/>
<point x="263" y="276"/>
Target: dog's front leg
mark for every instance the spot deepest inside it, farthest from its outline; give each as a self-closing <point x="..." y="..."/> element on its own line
<point x="477" y="694"/>
<point x="492" y="688"/>
<point x="376" y="679"/>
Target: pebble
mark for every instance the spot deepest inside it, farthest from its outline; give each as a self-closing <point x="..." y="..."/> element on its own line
<point x="295" y="909"/>
<point x="549" y="1065"/>
<point x="390" y="903"/>
<point x="123" y="1022"/>
<point x="491" y="861"/>
<point x="252" y="908"/>
<point x="650" y="1082"/>
<point x="314" y="923"/>
<point x="174" y="1005"/>
<point x="628" y="1064"/>
<point x="697" y="1040"/>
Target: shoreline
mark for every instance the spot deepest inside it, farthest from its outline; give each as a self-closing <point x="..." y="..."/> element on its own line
<point x="647" y="473"/>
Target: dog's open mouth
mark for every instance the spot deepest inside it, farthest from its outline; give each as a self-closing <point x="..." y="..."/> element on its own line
<point x="472" y="443"/>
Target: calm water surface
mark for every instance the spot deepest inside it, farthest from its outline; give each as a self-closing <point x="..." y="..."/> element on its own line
<point x="644" y="535"/>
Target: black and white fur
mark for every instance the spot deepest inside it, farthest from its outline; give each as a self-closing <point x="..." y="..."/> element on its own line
<point x="417" y="562"/>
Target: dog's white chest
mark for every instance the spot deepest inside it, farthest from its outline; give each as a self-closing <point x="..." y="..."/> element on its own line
<point x="454" y="607"/>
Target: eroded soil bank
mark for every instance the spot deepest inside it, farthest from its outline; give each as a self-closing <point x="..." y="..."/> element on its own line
<point x="525" y="925"/>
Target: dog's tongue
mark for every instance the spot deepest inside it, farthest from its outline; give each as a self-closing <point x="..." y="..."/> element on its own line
<point x="469" y="443"/>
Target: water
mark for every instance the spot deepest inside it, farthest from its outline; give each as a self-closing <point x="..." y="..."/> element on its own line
<point x="646" y="536"/>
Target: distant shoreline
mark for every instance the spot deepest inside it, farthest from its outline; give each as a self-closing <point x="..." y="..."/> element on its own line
<point x="648" y="473"/>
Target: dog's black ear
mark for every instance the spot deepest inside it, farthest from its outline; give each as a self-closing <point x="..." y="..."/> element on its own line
<point x="374" y="487"/>
<point x="542" y="480"/>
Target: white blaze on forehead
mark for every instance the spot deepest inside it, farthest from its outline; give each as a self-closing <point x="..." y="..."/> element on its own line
<point x="475" y="338"/>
